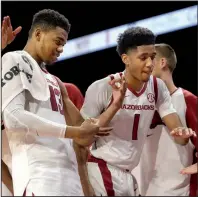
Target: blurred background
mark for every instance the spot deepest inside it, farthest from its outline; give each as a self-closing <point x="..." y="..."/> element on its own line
<point x="94" y="56"/>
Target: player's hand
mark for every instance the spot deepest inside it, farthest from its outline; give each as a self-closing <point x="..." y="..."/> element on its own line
<point x="119" y="87"/>
<point x="183" y="132"/>
<point x="190" y="169"/>
<point x="90" y="131"/>
<point x="7" y="33"/>
<point x="63" y="89"/>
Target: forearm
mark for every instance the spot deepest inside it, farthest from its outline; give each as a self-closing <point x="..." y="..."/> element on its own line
<point x="72" y="114"/>
<point x="81" y="155"/>
<point x="23" y="120"/>
<point x="106" y="116"/>
<point x="173" y="121"/>
<point x="6" y="177"/>
<point x="16" y="117"/>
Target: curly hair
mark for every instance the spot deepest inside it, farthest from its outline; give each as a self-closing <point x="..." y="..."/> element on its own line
<point x="134" y="37"/>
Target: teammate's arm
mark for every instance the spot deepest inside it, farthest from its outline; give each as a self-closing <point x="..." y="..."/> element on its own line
<point x="6" y="177"/>
<point x="16" y="118"/>
<point x="82" y="155"/>
<point x="98" y="99"/>
<point x="169" y="116"/>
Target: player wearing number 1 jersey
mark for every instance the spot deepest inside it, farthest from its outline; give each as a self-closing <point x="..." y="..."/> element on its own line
<point x="115" y="156"/>
<point x="44" y="162"/>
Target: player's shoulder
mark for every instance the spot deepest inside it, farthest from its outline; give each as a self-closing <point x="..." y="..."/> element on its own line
<point x="16" y="56"/>
<point x="188" y="95"/>
<point x="71" y="87"/>
<point x="100" y="84"/>
<point x="159" y="81"/>
<point x="11" y="55"/>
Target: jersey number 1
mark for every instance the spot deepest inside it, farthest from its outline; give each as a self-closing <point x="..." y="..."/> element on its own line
<point x="135" y="127"/>
<point x="56" y="107"/>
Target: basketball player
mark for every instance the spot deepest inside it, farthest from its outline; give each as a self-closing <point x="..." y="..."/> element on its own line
<point x="75" y="95"/>
<point x="115" y="156"/>
<point x="162" y="159"/>
<point x="7" y="36"/>
<point x="43" y="160"/>
<point x="7" y="33"/>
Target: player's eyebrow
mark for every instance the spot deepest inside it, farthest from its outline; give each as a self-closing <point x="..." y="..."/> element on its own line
<point x="145" y="54"/>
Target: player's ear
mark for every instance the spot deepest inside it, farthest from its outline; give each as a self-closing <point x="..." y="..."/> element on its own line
<point x="163" y="63"/>
<point x="37" y="34"/>
<point x="125" y="59"/>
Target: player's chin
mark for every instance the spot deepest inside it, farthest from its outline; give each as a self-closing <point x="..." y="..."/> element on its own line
<point x="51" y="61"/>
<point x="145" y="77"/>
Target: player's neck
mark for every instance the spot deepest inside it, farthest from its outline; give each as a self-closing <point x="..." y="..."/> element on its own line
<point x="133" y="83"/>
<point x="29" y="48"/>
<point x="168" y="80"/>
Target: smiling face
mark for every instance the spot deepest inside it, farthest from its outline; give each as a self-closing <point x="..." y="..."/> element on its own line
<point x="139" y="62"/>
<point x="50" y="43"/>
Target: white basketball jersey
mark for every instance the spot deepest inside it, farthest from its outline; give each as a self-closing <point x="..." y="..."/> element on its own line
<point x="46" y="161"/>
<point x="162" y="159"/>
<point x="123" y="147"/>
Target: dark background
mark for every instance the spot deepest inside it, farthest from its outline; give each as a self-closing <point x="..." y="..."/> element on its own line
<point x="90" y="17"/>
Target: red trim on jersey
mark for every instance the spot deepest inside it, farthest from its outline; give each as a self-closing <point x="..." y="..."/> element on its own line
<point x="24" y="193"/>
<point x="155" y="88"/>
<point x="191" y="121"/>
<point x="111" y="76"/>
<point x="106" y="174"/>
<point x="174" y="92"/>
<point x="135" y="127"/>
<point x="44" y="70"/>
<point x="136" y="93"/>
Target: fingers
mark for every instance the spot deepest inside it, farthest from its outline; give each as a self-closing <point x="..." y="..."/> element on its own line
<point x="115" y="83"/>
<point x="119" y="84"/>
<point x="189" y="170"/>
<point x="8" y="21"/>
<point x="104" y="131"/>
<point x="4" y="25"/>
<point x="183" y="132"/>
<point x="17" y="30"/>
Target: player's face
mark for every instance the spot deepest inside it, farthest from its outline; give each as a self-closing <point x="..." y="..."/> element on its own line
<point x="51" y="44"/>
<point x="140" y="62"/>
<point x="157" y="66"/>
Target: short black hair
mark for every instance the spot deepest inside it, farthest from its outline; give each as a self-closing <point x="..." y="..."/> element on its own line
<point x="48" y="19"/>
<point x="134" y="37"/>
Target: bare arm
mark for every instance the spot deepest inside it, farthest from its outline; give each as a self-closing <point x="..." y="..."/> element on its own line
<point x="6" y="177"/>
<point x="72" y="114"/>
<point x="82" y="155"/>
<point x="168" y="114"/>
